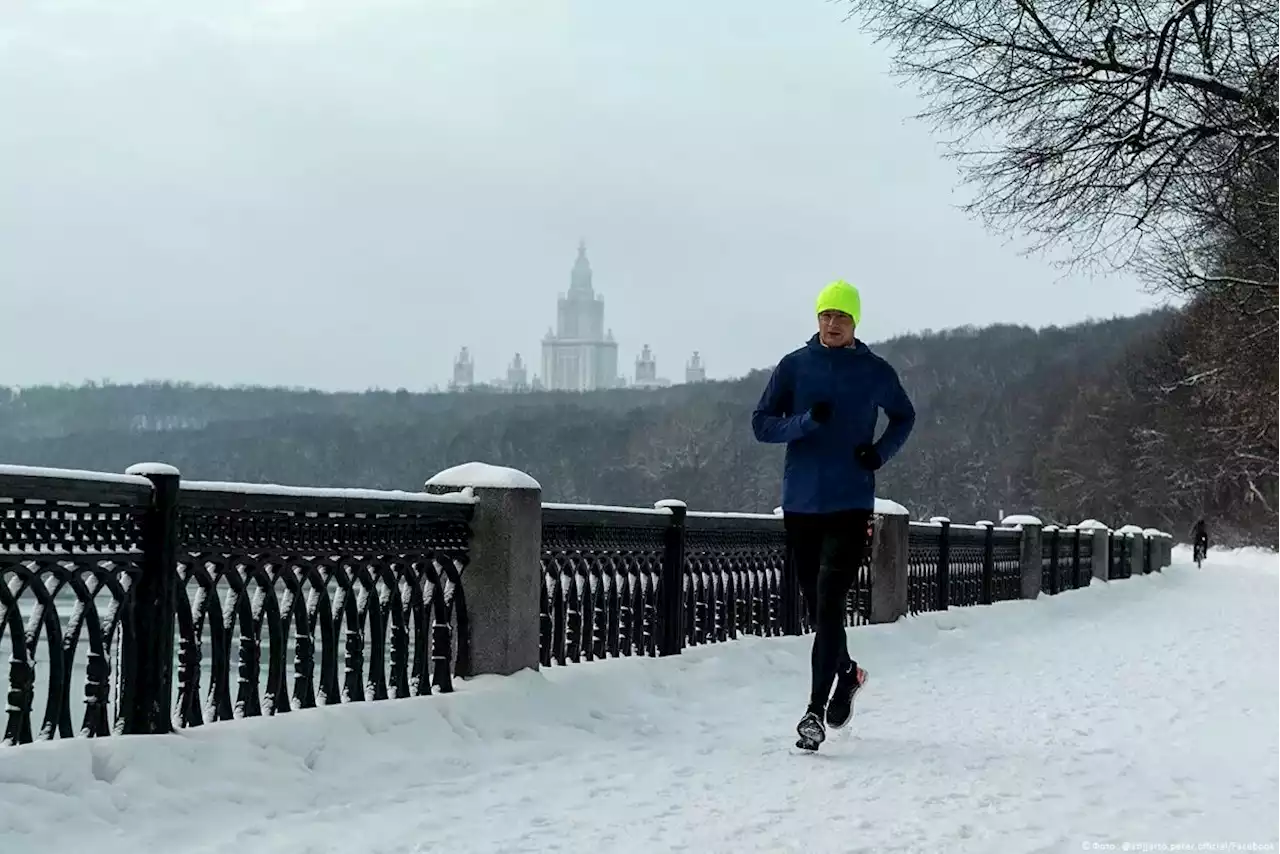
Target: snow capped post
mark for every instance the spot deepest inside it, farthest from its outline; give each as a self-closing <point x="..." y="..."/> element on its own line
<point x="1133" y="536"/>
<point x="1155" y="542"/>
<point x="503" y="579"/>
<point x="889" y="555"/>
<point x="148" y="692"/>
<point x="1031" y="561"/>
<point x="1074" y="533"/>
<point x="671" y="612"/>
<point x="1101" y="535"/>
<point x="988" y="562"/>
<point x="943" y="576"/>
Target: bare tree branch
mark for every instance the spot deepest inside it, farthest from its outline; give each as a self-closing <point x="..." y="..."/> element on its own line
<point x="1101" y="114"/>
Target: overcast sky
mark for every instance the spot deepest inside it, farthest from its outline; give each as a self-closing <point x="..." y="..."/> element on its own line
<point x="342" y="193"/>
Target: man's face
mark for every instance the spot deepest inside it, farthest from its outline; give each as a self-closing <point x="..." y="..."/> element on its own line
<point x="835" y="329"/>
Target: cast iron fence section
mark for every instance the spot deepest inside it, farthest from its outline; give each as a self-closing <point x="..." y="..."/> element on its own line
<point x="1118" y="554"/>
<point x="1051" y="560"/>
<point x="1067" y="574"/>
<point x="251" y="576"/>
<point x="603" y="582"/>
<point x="927" y="566"/>
<point x="1006" y="557"/>
<point x="132" y="604"/>
<point x="1084" y="559"/>
<point x="607" y="573"/>
<point x="370" y="589"/>
<point x="734" y="565"/>
<point x="859" y="603"/>
<point x="70" y="557"/>
<point x="960" y="565"/>
<point x="1066" y="559"/>
<point x="967" y="565"/>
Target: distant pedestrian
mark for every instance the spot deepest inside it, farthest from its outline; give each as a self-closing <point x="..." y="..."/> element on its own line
<point x="822" y="401"/>
<point x="1201" y="538"/>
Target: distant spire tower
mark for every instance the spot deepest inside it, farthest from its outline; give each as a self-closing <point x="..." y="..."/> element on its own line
<point x="580" y="355"/>
<point x="580" y="277"/>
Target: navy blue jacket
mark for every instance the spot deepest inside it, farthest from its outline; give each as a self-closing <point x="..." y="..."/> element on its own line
<point x="821" y="474"/>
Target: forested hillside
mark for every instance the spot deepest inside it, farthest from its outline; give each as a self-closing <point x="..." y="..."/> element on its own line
<point x="1134" y="136"/>
<point x="1143" y="137"/>
<point x="1003" y="425"/>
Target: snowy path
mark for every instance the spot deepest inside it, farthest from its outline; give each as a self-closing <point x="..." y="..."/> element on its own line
<point x="1141" y="712"/>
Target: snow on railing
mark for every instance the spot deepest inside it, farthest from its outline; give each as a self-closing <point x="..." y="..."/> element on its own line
<point x="56" y="474"/>
<point x="606" y="508"/>
<point x="285" y="597"/>
<point x="279" y="597"/>
<point x="464" y="496"/>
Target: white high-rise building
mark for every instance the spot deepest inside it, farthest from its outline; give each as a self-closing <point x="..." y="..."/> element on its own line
<point x="695" y="371"/>
<point x="517" y="375"/>
<point x="580" y="355"/>
<point x="464" y="371"/>
<point x="647" y="371"/>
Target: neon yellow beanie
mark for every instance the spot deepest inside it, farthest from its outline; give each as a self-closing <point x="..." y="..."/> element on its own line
<point x="841" y="296"/>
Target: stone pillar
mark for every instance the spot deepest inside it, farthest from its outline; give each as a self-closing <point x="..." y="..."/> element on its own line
<point x="1101" y="554"/>
<point x="1101" y="537"/>
<point x="503" y="578"/>
<point x="1154" y="544"/>
<point x="1152" y="547"/>
<point x="1032" y="531"/>
<point x="1133" y="542"/>
<point x="889" y="565"/>
<point x="1137" y="547"/>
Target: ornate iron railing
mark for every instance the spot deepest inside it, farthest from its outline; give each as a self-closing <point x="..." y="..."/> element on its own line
<point x="1049" y="560"/>
<point x="607" y="573"/>
<point x="1050" y="557"/>
<point x="968" y="559"/>
<point x="927" y="564"/>
<point x="1084" y="562"/>
<point x="961" y="565"/>
<point x="1118" y="555"/>
<point x="1006" y="548"/>
<point x="734" y="567"/>
<point x="370" y="589"/>
<point x="1067" y="559"/>
<point x="859" y="601"/>
<point x="224" y="591"/>
<point x="135" y="604"/>
<point x="71" y="548"/>
<point x="602" y="582"/>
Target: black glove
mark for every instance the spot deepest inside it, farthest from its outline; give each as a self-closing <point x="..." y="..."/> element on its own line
<point x="820" y="411"/>
<point x="868" y="457"/>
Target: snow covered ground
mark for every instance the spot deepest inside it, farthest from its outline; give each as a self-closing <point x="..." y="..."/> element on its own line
<point x="1140" y="713"/>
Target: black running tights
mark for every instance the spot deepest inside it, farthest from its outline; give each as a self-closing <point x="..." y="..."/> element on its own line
<point x="827" y="550"/>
